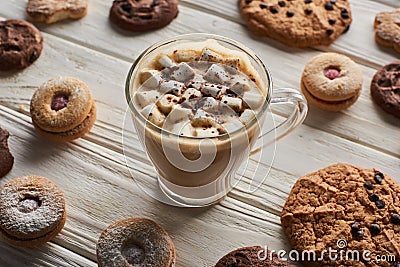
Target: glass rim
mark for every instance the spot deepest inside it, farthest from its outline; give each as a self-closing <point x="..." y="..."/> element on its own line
<point x="203" y="36"/>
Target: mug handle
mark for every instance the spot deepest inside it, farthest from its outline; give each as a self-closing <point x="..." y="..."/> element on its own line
<point x="298" y="112"/>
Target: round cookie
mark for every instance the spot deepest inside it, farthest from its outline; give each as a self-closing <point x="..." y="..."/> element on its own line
<point x="21" y="44"/>
<point x="32" y="211"/>
<point x="6" y="158"/>
<point x="331" y="81"/>
<point x="53" y="11"/>
<point x="299" y="23"/>
<point x="387" y="29"/>
<point x="62" y="109"/>
<point x="252" y="257"/>
<point x="385" y="88"/>
<point x="135" y="242"/>
<point x="344" y="207"/>
<point x="144" y="15"/>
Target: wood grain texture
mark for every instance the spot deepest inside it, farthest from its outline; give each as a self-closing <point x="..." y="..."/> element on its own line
<point x="92" y="171"/>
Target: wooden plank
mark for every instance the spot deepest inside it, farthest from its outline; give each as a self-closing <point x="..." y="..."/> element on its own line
<point x="107" y="193"/>
<point x="95" y="30"/>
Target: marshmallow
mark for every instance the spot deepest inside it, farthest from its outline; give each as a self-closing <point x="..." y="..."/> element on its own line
<point x="152" y="113"/>
<point x="150" y="78"/>
<point x="197" y="84"/>
<point x="184" y="129"/>
<point x="233" y="102"/>
<point x="144" y="98"/>
<point x="198" y="78"/>
<point x="210" y="56"/>
<point x="239" y="85"/>
<point x="166" y="61"/>
<point x="185" y="55"/>
<point x="206" y="132"/>
<point x="216" y="74"/>
<point x="253" y="99"/>
<point x="232" y="62"/>
<point x="183" y="73"/>
<point x="166" y="102"/>
<point x="213" y="90"/>
<point x="178" y="113"/>
<point x="173" y="87"/>
<point x="247" y="116"/>
<point x="203" y="119"/>
<point x="191" y="93"/>
<point x="209" y="104"/>
<point x="232" y="126"/>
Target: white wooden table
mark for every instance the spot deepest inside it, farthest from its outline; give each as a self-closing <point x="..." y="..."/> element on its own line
<point x="91" y="171"/>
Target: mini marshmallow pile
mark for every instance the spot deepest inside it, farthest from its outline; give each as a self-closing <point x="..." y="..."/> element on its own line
<point x="201" y="96"/>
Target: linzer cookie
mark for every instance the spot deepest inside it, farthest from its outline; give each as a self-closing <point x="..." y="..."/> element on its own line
<point x="387" y="29"/>
<point x="32" y="211"/>
<point x="344" y="207"/>
<point x="385" y="88"/>
<point x="299" y="23"/>
<point x="252" y="257"/>
<point x="135" y="242"/>
<point x="50" y="11"/>
<point x="6" y="158"/>
<point x="62" y="109"/>
<point x="143" y="15"/>
<point x="331" y="81"/>
<point x="20" y="44"/>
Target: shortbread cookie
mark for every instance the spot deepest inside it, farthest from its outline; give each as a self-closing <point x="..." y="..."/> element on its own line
<point x="299" y="23"/>
<point x="135" y="242"/>
<point x="252" y="257"/>
<point x="32" y="211"/>
<point x="144" y="15"/>
<point x="6" y="158"/>
<point x="387" y="29"/>
<point x="21" y="44"/>
<point x="344" y="207"/>
<point x="385" y="88"/>
<point x="331" y="81"/>
<point x="62" y="109"/>
<point x="50" y="11"/>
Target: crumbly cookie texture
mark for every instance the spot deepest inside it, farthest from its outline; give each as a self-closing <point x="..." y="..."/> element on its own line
<point x="387" y="29"/>
<point x="32" y="211"/>
<point x="50" y="11"/>
<point x="135" y="242"/>
<point x="252" y="257"/>
<point x="21" y="44"/>
<point x="299" y="23"/>
<point x="6" y="158"/>
<point x="344" y="202"/>
<point x="385" y="88"/>
<point x="331" y="81"/>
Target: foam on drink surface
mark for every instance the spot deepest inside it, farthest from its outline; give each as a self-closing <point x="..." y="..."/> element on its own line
<point x="198" y="94"/>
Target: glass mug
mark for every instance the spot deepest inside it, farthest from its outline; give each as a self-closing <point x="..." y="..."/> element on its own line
<point x="193" y="171"/>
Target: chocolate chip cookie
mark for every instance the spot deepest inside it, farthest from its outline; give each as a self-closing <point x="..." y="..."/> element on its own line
<point x="299" y="23"/>
<point x="387" y="29"/>
<point x="344" y="207"/>
<point x="21" y="44"/>
<point x="252" y="257"/>
<point x="385" y="88"/>
<point x="6" y="158"/>
<point x="143" y="15"/>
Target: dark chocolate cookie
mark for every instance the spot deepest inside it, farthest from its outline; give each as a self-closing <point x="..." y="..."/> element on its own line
<point x="143" y="15"/>
<point x="252" y="257"/>
<point x="6" y="158"/>
<point x="21" y="44"/>
<point x="347" y="209"/>
<point x="385" y="88"/>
